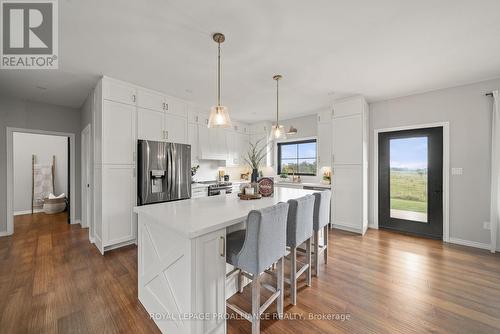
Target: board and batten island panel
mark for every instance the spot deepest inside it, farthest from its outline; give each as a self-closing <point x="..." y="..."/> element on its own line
<point x="182" y="258"/>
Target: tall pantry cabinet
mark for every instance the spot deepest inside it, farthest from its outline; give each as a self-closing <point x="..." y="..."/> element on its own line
<point x="115" y="124"/>
<point x="350" y="164"/>
<point x="122" y="114"/>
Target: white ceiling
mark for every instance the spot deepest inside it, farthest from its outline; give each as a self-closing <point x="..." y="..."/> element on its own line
<point x="323" y="48"/>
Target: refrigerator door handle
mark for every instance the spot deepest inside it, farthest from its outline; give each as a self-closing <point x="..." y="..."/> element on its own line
<point x="169" y="170"/>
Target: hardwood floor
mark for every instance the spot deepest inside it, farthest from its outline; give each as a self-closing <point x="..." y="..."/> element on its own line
<point x="52" y="280"/>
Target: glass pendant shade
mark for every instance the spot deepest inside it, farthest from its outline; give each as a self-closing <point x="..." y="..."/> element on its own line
<point x="278" y="132"/>
<point x="219" y="117"/>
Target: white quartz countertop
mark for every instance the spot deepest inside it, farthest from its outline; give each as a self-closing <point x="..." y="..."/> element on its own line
<point x="302" y="184"/>
<point x="195" y="217"/>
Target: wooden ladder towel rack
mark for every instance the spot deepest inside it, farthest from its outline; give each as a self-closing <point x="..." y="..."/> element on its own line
<point x="53" y="171"/>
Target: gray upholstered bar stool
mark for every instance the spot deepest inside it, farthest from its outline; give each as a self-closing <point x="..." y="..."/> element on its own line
<point x="320" y="221"/>
<point x="255" y="249"/>
<point x="299" y="230"/>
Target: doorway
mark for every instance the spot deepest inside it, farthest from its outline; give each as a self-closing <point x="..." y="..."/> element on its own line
<point x="410" y="181"/>
<point x="45" y="164"/>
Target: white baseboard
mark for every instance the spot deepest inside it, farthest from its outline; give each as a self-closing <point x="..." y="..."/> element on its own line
<point x="347" y="228"/>
<point x="469" y="243"/>
<point x="77" y="221"/>
<point x="119" y="245"/>
<point x="4" y="233"/>
<point x="27" y="212"/>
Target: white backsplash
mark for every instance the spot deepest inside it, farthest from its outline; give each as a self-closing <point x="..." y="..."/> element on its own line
<point x="209" y="170"/>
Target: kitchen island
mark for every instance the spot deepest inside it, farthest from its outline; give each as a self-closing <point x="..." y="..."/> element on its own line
<point x="182" y="262"/>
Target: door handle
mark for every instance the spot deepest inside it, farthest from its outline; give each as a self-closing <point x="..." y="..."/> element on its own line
<point x="222" y="248"/>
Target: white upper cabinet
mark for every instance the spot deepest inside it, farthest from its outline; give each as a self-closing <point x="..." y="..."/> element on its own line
<point x="176" y="129"/>
<point x="195" y="117"/>
<point x="149" y="99"/>
<point x="193" y="141"/>
<point x="325" y="144"/>
<point x="118" y="135"/>
<point x="150" y="124"/>
<point x="325" y="116"/>
<point x="348" y="140"/>
<point x="241" y="128"/>
<point x="118" y="91"/>
<point x="212" y="143"/>
<point x="175" y="107"/>
<point x="350" y="119"/>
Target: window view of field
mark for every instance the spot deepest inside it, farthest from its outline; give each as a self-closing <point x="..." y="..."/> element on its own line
<point x="298" y="158"/>
<point x="408" y="178"/>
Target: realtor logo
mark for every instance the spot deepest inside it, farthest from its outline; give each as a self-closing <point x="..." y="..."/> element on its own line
<point x="29" y="34"/>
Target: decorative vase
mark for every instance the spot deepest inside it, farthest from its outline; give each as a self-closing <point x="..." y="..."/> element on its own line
<point x="255" y="175"/>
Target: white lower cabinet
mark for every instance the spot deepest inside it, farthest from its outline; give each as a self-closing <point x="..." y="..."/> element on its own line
<point x="199" y="192"/>
<point x="210" y="280"/>
<point x="119" y="223"/>
<point x="182" y="276"/>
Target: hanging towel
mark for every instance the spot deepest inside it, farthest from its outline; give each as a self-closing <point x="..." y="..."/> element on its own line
<point x="42" y="184"/>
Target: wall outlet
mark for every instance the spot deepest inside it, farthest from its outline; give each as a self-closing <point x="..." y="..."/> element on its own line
<point x="457" y="171"/>
<point x="487" y="225"/>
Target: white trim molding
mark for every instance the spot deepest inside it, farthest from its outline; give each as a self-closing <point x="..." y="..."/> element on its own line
<point x="446" y="172"/>
<point x="10" y="172"/>
<point x="26" y="212"/>
<point x="468" y="243"/>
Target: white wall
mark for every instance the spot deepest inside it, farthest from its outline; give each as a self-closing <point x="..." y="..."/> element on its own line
<point x="469" y="114"/>
<point x="306" y="126"/>
<point x="44" y="147"/>
<point x="41" y="116"/>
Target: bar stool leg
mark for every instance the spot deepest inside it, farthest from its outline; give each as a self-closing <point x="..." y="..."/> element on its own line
<point x="308" y="261"/>
<point x="293" y="275"/>
<point x="316" y="253"/>
<point x="256" y="304"/>
<point x="240" y="282"/>
<point x="281" y="286"/>
<point x="325" y="243"/>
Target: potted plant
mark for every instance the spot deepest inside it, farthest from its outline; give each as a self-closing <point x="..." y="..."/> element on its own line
<point x="284" y="176"/>
<point x="194" y="169"/>
<point x="254" y="157"/>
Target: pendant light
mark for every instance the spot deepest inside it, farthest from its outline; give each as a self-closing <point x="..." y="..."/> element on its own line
<point x="219" y="117"/>
<point x="277" y="130"/>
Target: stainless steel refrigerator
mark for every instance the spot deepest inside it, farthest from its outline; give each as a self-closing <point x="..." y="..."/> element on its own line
<point x="164" y="172"/>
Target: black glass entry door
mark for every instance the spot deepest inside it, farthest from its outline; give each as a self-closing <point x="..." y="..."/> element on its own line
<point x="411" y="181"/>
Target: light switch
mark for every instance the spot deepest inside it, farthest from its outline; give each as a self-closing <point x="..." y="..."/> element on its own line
<point x="457" y="171"/>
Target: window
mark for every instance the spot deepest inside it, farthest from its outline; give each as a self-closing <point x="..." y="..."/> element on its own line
<point x="297" y="157"/>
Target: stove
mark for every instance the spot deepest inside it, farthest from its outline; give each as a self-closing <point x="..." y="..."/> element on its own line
<point x="218" y="187"/>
